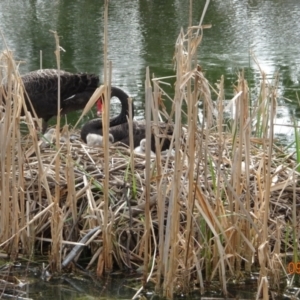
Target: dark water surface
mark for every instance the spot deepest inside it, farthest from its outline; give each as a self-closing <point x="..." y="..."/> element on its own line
<point x="143" y="33"/>
<point x="82" y="285"/>
<point x="85" y="286"/>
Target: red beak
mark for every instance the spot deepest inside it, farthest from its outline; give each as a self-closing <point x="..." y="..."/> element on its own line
<point x="99" y="107"/>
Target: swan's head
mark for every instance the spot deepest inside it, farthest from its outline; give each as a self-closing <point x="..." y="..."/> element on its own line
<point x="143" y="145"/>
<point x="111" y="138"/>
<point x="141" y="149"/>
<point x="50" y="133"/>
<point x="48" y="138"/>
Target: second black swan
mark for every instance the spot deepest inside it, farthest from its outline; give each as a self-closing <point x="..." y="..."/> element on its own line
<point x="95" y="126"/>
<point x="119" y="128"/>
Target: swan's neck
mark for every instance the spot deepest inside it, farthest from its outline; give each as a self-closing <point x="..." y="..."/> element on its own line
<point x="95" y="125"/>
<point x="122" y="117"/>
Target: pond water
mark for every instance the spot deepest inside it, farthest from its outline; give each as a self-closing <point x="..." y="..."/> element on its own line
<point x="143" y="33"/>
<point x="82" y="285"/>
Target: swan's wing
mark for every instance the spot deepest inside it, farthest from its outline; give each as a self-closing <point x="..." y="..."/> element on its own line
<point x="42" y="87"/>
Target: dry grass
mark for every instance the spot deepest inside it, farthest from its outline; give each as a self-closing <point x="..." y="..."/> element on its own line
<point x="225" y="203"/>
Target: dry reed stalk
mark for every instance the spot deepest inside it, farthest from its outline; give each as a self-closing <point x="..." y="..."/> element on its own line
<point x="238" y="156"/>
<point x="106" y="229"/>
<point x="131" y="143"/>
<point x="161" y="196"/>
<point x="215" y="251"/>
<point x="148" y="99"/>
<point x="70" y="179"/>
<point x="11" y="179"/>
<point x="172" y="228"/>
<point x="245" y="170"/>
<point x="192" y="112"/>
<point x="56" y="220"/>
<point x="132" y="170"/>
<point x="219" y="186"/>
<point x="107" y="246"/>
<point x="264" y="247"/>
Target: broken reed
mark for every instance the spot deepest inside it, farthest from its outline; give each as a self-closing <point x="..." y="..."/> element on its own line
<point x="205" y="213"/>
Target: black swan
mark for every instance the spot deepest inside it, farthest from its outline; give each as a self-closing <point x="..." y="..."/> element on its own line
<point x="42" y="88"/>
<point x="121" y="134"/>
<point x="95" y="125"/>
<point x="119" y="127"/>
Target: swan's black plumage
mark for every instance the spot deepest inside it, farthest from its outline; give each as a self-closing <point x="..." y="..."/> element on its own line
<point x="121" y="134"/>
<point x="119" y="127"/>
<point x="95" y="125"/>
<point x="42" y="89"/>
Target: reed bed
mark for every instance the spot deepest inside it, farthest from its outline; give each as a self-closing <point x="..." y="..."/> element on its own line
<point x="223" y="201"/>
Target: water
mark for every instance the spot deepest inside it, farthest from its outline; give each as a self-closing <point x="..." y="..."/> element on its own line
<point x="26" y="282"/>
<point x="143" y="33"/>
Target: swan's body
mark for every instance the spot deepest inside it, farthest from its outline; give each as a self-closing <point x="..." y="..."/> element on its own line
<point x="96" y="140"/>
<point x="121" y="132"/>
<point x="119" y="127"/>
<point x="95" y="125"/>
<point x="42" y="89"/>
<point x="141" y="149"/>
